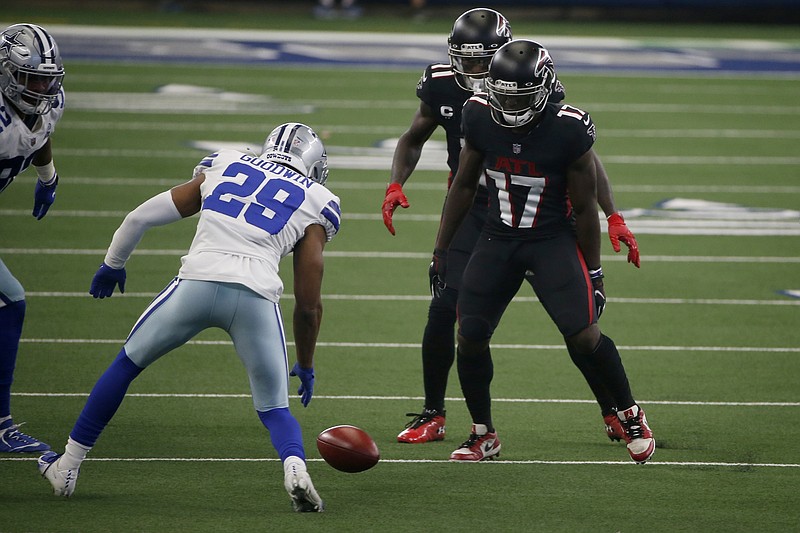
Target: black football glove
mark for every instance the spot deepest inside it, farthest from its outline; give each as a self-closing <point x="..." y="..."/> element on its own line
<point x="436" y="272"/>
<point x="599" y="291"/>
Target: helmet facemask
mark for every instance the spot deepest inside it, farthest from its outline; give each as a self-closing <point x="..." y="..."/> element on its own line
<point x="470" y="65"/>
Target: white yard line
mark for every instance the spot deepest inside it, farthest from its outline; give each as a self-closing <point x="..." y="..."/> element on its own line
<point x="499" y="346"/>
<point x="408" y="255"/>
<point x="426" y="298"/>
<point x="414" y="398"/>
<point x="496" y="464"/>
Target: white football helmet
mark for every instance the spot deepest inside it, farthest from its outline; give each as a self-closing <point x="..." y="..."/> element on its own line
<point x="31" y="70"/>
<point x="297" y="146"/>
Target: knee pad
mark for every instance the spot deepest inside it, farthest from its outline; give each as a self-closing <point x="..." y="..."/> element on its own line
<point x="474" y="328"/>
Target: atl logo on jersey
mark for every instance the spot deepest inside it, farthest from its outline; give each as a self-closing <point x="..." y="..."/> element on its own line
<point x="513" y="165"/>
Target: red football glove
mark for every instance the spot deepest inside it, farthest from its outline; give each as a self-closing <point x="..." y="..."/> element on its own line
<point x="618" y="231"/>
<point x="394" y="197"/>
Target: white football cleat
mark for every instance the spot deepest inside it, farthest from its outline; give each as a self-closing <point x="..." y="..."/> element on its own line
<point x="641" y="444"/>
<point x="300" y="488"/>
<point x="63" y="481"/>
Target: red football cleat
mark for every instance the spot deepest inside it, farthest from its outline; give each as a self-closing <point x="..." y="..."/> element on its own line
<point x="614" y="428"/>
<point x="641" y="444"/>
<point x="426" y="426"/>
<point x="480" y="446"/>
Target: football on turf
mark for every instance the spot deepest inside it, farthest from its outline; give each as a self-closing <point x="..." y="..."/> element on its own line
<point x="348" y="448"/>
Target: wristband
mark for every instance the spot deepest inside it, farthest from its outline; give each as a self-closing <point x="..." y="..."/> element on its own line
<point x="596" y="273"/>
<point x="46" y="173"/>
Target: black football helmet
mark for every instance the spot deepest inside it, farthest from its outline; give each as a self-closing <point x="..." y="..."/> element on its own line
<point x="521" y="76"/>
<point x="476" y="35"/>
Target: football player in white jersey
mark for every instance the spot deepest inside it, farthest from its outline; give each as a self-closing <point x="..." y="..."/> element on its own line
<point x="31" y="103"/>
<point x="254" y="210"/>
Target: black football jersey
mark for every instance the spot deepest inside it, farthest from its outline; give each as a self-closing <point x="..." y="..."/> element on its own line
<point x="439" y="90"/>
<point x="526" y="174"/>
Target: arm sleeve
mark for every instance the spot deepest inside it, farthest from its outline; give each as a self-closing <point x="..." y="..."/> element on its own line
<point x="157" y="211"/>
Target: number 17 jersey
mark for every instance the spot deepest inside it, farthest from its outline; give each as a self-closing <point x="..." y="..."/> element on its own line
<point x="253" y="214"/>
<point x="526" y="174"/>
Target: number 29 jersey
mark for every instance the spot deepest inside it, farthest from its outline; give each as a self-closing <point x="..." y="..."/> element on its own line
<point x="526" y="174"/>
<point x="253" y="213"/>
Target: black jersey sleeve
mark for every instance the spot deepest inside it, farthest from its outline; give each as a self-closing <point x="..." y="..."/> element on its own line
<point x="474" y="120"/>
<point x="424" y="86"/>
<point x="582" y="130"/>
<point x="557" y="92"/>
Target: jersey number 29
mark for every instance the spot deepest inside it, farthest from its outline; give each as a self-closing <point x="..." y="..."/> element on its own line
<point x="275" y="201"/>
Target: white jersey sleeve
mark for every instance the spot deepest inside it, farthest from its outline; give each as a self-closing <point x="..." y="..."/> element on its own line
<point x="18" y="142"/>
<point x="253" y="213"/>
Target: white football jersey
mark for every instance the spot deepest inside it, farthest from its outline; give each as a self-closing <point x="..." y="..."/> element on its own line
<point x="18" y="143"/>
<point x="252" y="215"/>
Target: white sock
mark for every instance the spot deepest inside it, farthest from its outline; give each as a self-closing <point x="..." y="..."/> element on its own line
<point x="294" y="464"/>
<point x="74" y="454"/>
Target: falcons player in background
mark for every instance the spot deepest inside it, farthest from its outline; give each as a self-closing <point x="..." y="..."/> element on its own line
<point x="443" y="89"/>
<point x="31" y="103"/>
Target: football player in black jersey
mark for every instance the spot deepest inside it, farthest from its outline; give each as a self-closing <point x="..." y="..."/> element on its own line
<point x="442" y="90"/>
<point x="540" y="170"/>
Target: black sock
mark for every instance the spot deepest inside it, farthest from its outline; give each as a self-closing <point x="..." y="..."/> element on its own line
<point x="475" y="374"/>
<point x="594" y="380"/>
<point x="438" y="348"/>
<point x="608" y="367"/>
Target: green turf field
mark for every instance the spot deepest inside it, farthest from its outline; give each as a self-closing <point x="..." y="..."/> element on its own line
<point x="710" y="343"/>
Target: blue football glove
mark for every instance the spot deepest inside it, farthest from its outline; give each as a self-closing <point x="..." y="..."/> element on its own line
<point x="306" y="389"/>
<point x="104" y="281"/>
<point x="43" y="198"/>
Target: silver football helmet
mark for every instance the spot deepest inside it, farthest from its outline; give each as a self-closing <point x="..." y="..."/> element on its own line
<point x="31" y="70"/>
<point x="297" y="146"/>
<point x="476" y="35"/>
<point x="520" y="78"/>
